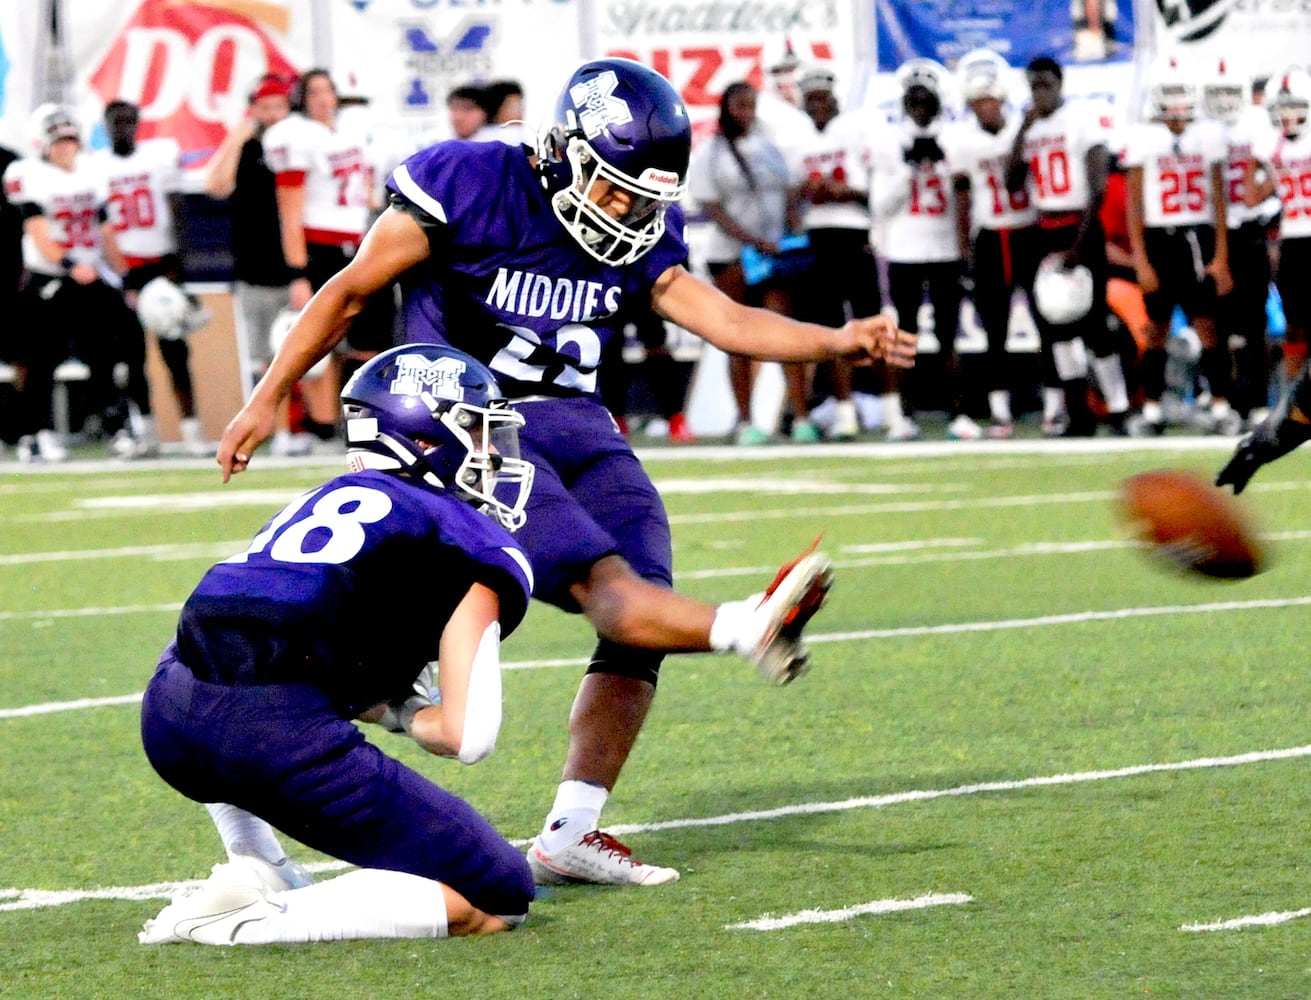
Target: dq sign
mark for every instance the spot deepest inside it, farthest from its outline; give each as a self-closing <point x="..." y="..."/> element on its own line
<point x="189" y="66"/>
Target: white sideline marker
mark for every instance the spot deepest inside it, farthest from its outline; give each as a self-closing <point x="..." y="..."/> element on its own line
<point x="1260" y="920"/>
<point x="879" y="906"/>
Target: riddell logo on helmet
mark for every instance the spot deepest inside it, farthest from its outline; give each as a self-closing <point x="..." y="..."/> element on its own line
<point x="189" y="67"/>
<point x="661" y="177"/>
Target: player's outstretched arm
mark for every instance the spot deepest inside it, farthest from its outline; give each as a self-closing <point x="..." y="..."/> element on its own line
<point x="1287" y="427"/>
<point x="394" y="245"/>
<point x="700" y="307"/>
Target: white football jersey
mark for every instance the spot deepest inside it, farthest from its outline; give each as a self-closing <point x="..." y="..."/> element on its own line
<point x="982" y="157"/>
<point x="1253" y="130"/>
<point x="913" y="203"/>
<point x="839" y="152"/>
<point x="139" y="186"/>
<point x="1290" y="161"/>
<point x="334" y="167"/>
<point x="1056" y="148"/>
<point x="1176" y="171"/>
<point x="70" y="201"/>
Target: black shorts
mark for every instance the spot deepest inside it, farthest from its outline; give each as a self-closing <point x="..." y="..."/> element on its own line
<point x="1179" y="255"/>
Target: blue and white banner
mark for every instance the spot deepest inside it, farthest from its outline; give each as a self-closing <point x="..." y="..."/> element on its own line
<point x="1071" y="31"/>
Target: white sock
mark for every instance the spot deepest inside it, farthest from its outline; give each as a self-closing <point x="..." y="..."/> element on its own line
<point x="1110" y="379"/>
<point x="730" y="631"/>
<point x="1053" y="402"/>
<point x="364" y="904"/>
<point x="577" y="811"/>
<point x="245" y="833"/>
<point x="892" y="411"/>
<point x="999" y="405"/>
<point x="1152" y="412"/>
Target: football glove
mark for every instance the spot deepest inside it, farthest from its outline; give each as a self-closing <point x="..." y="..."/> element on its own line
<point x="1271" y="439"/>
<point x="398" y="716"/>
<point x="924" y="149"/>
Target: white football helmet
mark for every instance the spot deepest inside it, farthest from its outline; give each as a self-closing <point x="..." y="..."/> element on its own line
<point x="52" y="122"/>
<point x="278" y="330"/>
<point x="1062" y="296"/>
<point x="1171" y="91"/>
<point x="926" y="73"/>
<point x="1289" y="98"/>
<point x="983" y="73"/>
<point x="167" y="311"/>
<point x="1225" y="92"/>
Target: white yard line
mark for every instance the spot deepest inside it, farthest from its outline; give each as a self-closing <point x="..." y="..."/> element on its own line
<point x="28" y="899"/>
<point x="951" y="628"/>
<point x="1259" y="920"/>
<point x="878" y="906"/>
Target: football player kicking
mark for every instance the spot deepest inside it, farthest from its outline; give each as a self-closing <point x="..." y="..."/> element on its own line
<point x="252" y="703"/>
<point x="532" y="262"/>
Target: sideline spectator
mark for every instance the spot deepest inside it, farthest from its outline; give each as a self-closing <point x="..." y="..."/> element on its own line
<point x="1284" y="158"/>
<point x="70" y="310"/>
<point x="11" y="278"/>
<point x="1227" y="99"/>
<point x="466" y="108"/>
<point x="503" y="100"/>
<point x="912" y="194"/>
<point x="239" y="173"/>
<point x="994" y="227"/>
<point x="144" y="208"/>
<point x="741" y="182"/>
<point x="323" y="190"/>
<point x="1061" y="153"/>
<point x="832" y="171"/>
<point x="1179" y="235"/>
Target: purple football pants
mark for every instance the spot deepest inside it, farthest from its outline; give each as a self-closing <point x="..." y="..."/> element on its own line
<point x="281" y="752"/>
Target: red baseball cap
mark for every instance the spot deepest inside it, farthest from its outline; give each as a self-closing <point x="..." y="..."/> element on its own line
<point x="272" y="85"/>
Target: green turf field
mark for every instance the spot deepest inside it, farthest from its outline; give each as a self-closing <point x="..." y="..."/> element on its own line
<point x="1028" y="762"/>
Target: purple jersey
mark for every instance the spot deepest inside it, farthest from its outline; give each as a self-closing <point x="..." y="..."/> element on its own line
<point x="506" y="282"/>
<point x="303" y="603"/>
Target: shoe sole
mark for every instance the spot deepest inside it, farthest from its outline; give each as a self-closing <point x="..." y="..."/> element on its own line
<point x="783" y="658"/>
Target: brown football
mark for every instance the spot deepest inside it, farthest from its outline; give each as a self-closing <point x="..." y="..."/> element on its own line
<point x="1191" y="524"/>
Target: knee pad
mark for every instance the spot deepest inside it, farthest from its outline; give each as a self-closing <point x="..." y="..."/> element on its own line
<point x="625" y="661"/>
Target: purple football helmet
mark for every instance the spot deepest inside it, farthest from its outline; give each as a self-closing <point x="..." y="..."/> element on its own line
<point x="622" y="123"/>
<point x="436" y="414"/>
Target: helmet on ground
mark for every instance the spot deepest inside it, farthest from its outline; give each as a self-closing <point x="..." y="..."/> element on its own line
<point x="436" y="414"/>
<point x="1225" y="92"/>
<point x="167" y="311"/>
<point x="278" y="331"/>
<point x="983" y="73"/>
<point x="52" y="122"/>
<point x="1062" y="296"/>
<point x="1289" y="98"/>
<point x="1171" y="91"/>
<point x="620" y="123"/>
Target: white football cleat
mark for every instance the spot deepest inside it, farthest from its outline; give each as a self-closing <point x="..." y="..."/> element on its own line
<point x="798" y="591"/>
<point x="597" y="859"/>
<point x="251" y="871"/>
<point x="212" y="914"/>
